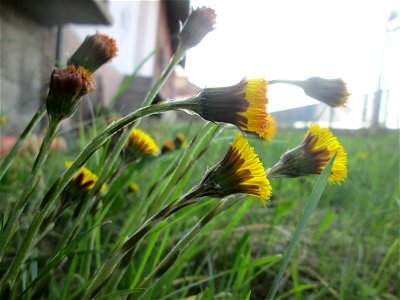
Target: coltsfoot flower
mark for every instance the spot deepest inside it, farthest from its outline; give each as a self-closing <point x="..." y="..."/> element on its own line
<point x="199" y="23"/>
<point x="133" y="187"/>
<point x="243" y="105"/>
<point x="95" y="51"/>
<point x="67" y="87"/>
<point x="311" y="156"/>
<point x="271" y="128"/>
<point x="84" y="179"/>
<point x="241" y="171"/>
<point x="139" y="144"/>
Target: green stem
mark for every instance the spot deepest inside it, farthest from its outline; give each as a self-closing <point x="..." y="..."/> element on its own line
<point x="292" y="82"/>
<point x="6" y="163"/>
<point x="107" y="269"/>
<point x="98" y="141"/>
<point x="19" y="206"/>
<point x="114" y="155"/>
<point x="308" y="210"/>
<point x="59" y="185"/>
<point x="183" y="243"/>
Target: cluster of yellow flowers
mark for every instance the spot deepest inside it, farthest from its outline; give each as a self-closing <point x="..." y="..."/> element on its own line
<point x="243" y="105"/>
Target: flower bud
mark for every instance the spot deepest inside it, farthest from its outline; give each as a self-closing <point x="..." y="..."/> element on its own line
<point x="200" y="22"/>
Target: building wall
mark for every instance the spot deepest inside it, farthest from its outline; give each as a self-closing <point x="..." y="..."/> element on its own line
<point x="26" y="59"/>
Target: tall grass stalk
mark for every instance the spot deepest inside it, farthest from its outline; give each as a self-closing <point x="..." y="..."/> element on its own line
<point x="7" y="161"/>
<point x="311" y="204"/>
<point x="12" y="273"/>
<point x="183" y="243"/>
<point x="19" y="206"/>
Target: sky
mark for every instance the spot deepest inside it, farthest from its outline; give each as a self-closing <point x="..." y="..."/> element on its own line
<point x="296" y="40"/>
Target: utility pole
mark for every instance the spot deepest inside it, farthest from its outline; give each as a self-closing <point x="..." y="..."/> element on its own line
<point x="378" y="94"/>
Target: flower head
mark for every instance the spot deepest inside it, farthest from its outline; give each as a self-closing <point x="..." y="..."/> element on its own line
<point x="271" y="128"/>
<point x="133" y="187"/>
<point x="83" y="178"/>
<point x="200" y="22"/>
<point x="168" y="146"/>
<point x="95" y="51"/>
<point x="179" y="140"/>
<point x="332" y="92"/>
<point x="139" y="144"/>
<point x="241" y="171"/>
<point x="67" y="87"/>
<point x="311" y="156"/>
<point x="243" y="105"/>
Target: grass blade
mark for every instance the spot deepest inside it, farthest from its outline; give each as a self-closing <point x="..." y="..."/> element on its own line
<point x="310" y="207"/>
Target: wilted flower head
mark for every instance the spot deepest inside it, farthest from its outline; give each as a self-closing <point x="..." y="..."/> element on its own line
<point x="311" y="156"/>
<point x="168" y="146"/>
<point x="241" y="171"/>
<point x="139" y="144"/>
<point x="271" y="128"/>
<point x="243" y="105"/>
<point x="95" y="51"/>
<point x="200" y="22"/>
<point x="179" y="140"/>
<point x="67" y="87"/>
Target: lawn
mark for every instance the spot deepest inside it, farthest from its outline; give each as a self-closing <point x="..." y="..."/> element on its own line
<point x="349" y="249"/>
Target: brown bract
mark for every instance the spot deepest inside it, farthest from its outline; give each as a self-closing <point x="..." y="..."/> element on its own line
<point x="67" y="86"/>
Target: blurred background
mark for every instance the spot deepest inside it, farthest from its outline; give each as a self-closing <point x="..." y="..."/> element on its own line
<point x="354" y="40"/>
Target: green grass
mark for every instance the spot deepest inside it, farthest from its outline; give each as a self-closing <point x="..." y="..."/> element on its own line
<point x="349" y="249"/>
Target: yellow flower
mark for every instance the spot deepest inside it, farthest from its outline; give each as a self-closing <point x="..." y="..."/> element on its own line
<point x="243" y="105"/>
<point x="271" y="128"/>
<point x="319" y="140"/>
<point x="95" y="51"/>
<point x="83" y="178"/>
<point x="134" y="187"/>
<point x="139" y="144"/>
<point x="241" y="171"/>
<point x="311" y="156"/>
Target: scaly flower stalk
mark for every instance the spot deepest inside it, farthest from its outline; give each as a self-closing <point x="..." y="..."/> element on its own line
<point x="180" y="247"/>
<point x="7" y="161"/>
<point x="67" y="86"/>
<point x="239" y="172"/>
<point x="9" y="278"/>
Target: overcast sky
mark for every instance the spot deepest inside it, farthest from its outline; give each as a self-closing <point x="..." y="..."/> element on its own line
<point x="297" y="40"/>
